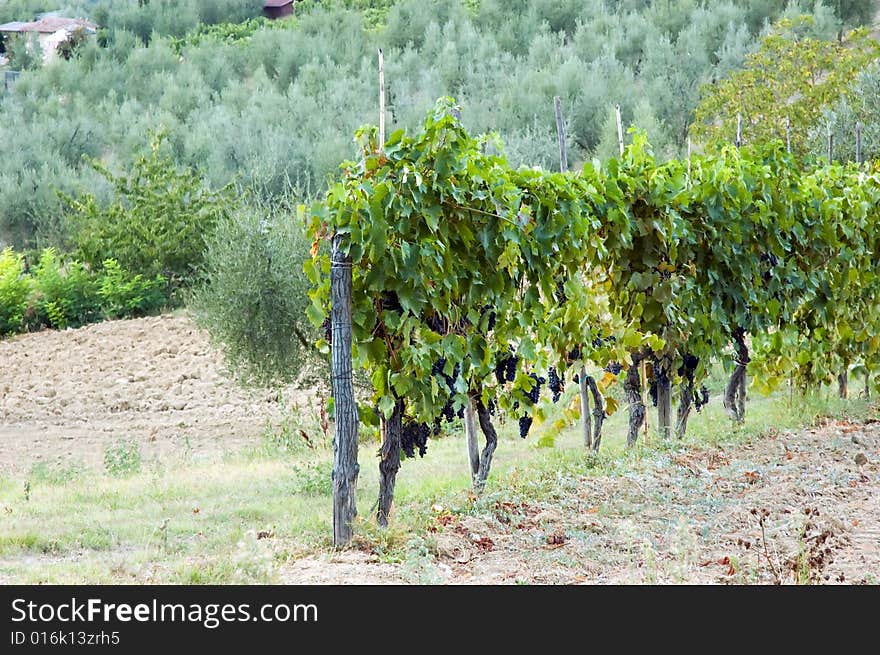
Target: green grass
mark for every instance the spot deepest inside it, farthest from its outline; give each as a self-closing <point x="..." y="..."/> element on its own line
<point x="196" y="522"/>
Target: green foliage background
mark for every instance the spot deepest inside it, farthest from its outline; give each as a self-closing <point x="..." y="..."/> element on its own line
<point x="271" y="105"/>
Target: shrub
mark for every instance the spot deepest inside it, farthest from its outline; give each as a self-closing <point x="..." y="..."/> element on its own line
<point x="126" y="295"/>
<point x="157" y="223"/>
<point x="65" y="296"/>
<point x="15" y="288"/>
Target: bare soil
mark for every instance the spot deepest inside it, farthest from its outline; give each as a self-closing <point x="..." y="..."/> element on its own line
<point x="64" y="395"/>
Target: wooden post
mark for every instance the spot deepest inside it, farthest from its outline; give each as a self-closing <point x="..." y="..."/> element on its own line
<point x="381" y="101"/>
<point x="830" y="146"/>
<point x="788" y="135"/>
<point x="470" y="433"/>
<point x="689" y="159"/>
<point x="560" y="134"/>
<point x="859" y="144"/>
<point x="739" y="130"/>
<point x="586" y="421"/>
<point x="345" y="440"/>
<point x="644" y="374"/>
<point x="619" y="130"/>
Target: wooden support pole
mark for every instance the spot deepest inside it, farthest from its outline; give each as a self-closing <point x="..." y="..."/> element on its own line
<point x="739" y="130"/>
<point x="859" y="143"/>
<point x="830" y="146"/>
<point x="381" y="101"/>
<point x="560" y="134"/>
<point x="345" y="440"/>
<point x="689" y="160"/>
<point x="788" y="134"/>
<point x="619" y="130"/>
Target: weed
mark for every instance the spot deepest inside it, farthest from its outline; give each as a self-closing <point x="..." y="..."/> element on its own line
<point x="55" y="474"/>
<point x="313" y="478"/>
<point x="122" y="458"/>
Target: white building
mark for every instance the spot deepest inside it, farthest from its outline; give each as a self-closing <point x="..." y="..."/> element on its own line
<point x="50" y="32"/>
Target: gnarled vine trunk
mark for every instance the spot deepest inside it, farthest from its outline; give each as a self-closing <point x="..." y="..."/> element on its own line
<point x="585" y="408"/>
<point x="491" y="442"/>
<point x="345" y="438"/>
<point x="843" y="384"/>
<point x="664" y="402"/>
<point x="389" y="461"/>
<point x="735" y="394"/>
<point x="685" y="401"/>
<point x="632" y="387"/>
<point x="470" y="433"/>
<point x="598" y="411"/>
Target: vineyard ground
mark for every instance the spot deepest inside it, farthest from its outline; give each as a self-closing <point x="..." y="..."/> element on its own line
<point x="221" y="487"/>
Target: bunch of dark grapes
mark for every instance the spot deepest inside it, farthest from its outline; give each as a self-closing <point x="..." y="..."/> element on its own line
<point x="561" y="298"/>
<point x="438" y="370"/>
<point x="614" y="368"/>
<point x="652" y="391"/>
<point x="525" y="424"/>
<point x="535" y="391"/>
<point x="327" y="327"/>
<point x="555" y="383"/>
<point x="492" y="407"/>
<point x="505" y="368"/>
<point x="414" y="435"/>
<point x="435" y="323"/>
<point x="688" y="366"/>
<point x="701" y="398"/>
<point x="492" y="317"/>
<point x="574" y="354"/>
<point x="772" y="261"/>
<point x="391" y="302"/>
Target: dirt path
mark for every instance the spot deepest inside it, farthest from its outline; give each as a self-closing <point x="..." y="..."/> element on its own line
<point x="65" y="395"/>
<point x="688" y="517"/>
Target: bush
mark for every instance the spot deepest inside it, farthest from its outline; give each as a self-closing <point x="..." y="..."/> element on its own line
<point x="64" y="296"/>
<point x="126" y="295"/>
<point x="57" y="295"/>
<point x="157" y="223"/>
<point x="15" y="288"/>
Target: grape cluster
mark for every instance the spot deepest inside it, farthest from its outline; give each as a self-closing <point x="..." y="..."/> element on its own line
<point x="391" y="302"/>
<point x="327" y="327"/>
<point x="414" y="435"/>
<point x="555" y="383"/>
<point x="688" y="366"/>
<point x="535" y="391"/>
<point x="490" y="325"/>
<point x="525" y="424"/>
<point x="574" y="354"/>
<point x="772" y="261"/>
<point x="435" y="323"/>
<point x="505" y="368"/>
<point x="448" y="413"/>
<point x="561" y="298"/>
<point x="614" y="368"/>
<point x="652" y="391"/>
<point x="701" y="398"/>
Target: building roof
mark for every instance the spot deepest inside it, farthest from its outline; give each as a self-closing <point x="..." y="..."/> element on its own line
<point x="49" y="25"/>
<point x="276" y="3"/>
